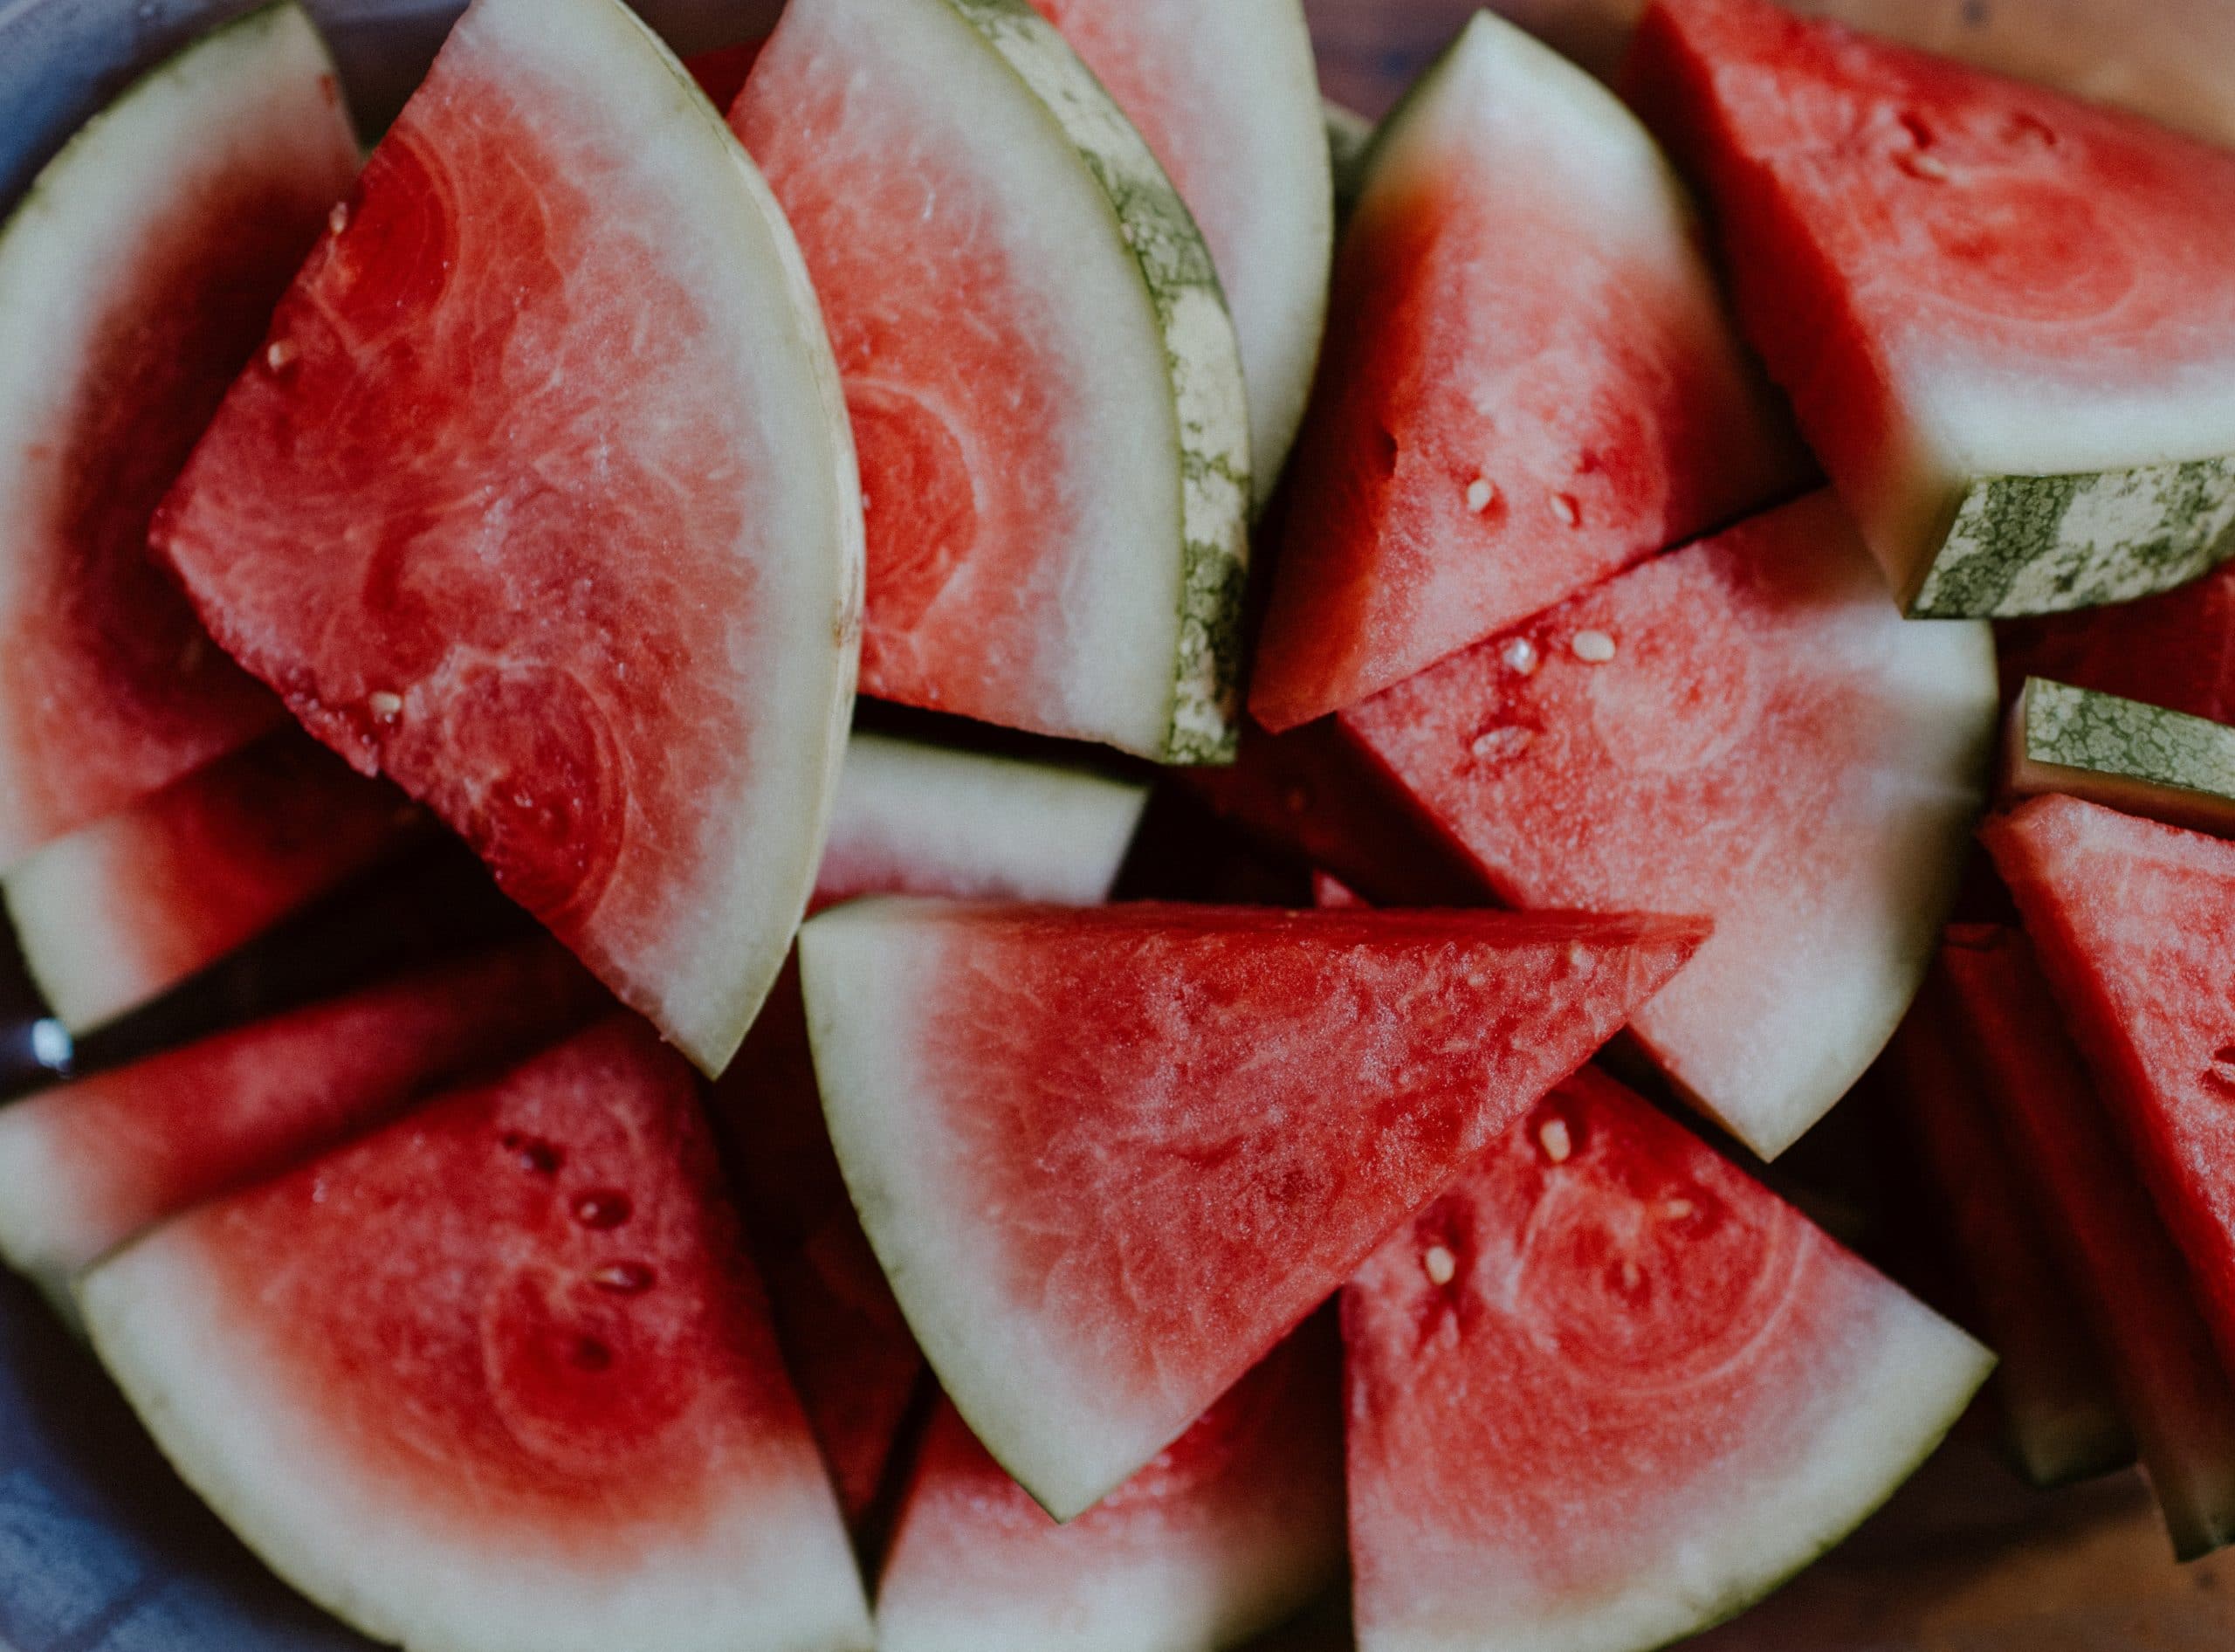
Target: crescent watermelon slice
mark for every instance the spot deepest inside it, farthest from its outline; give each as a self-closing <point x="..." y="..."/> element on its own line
<point x="1607" y="1391"/>
<point x="2144" y="760"/>
<point x="1070" y="1132"/>
<point x="136" y="277"/>
<point x="1745" y="728"/>
<point x="1045" y="381"/>
<point x="1236" y="1525"/>
<point x="2003" y="315"/>
<point x="541" y="501"/>
<point x="498" y="1377"/>
<point x="1530" y="383"/>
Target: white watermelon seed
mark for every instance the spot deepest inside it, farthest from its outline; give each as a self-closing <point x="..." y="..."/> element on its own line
<point x="1505" y="741"/>
<point x="1677" y="1209"/>
<point x="1480" y="492"/>
<point x="1566" y="509"/>
<point x="385" y="707"/>
<point x="1521" y="655"/>
<point x="1593" y="648"/>
<point x="1631" y="1275"/>
<point x="338" y="220"/>
<point x="1930" y="167"/>
<point x="1441" y="1264"/>
<point x="281" y="355"/>
<point x="1555" y="1140"/>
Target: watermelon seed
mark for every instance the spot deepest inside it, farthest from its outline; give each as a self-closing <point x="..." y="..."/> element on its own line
<point x="1930" y="168"/>
<point x="338" y="220"/>
<point x="1593" y="648"/>
<point x="2221" y="1074"/>
<point x="602" y="1209"/>
<point x="623" y="1278"/>
<point x="1501" y="743"/>
<point x="1554" y="1138"/>
<point x="1480" y="494"/>
<point x="385" y="707"/>
<point x="533" y="1153"/>
<point x="1441" y="1264"/>
<point x="280" y="355"/>
<point x="1521" y="655"/>
<point x="1677" y="1209"/>
<point x="1566" y="510"/>
<point x="591" y="1354"/>
<point x="1631" y="1277"/>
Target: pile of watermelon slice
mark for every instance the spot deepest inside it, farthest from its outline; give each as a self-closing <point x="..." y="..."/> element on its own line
<point x="842" y="1223"/>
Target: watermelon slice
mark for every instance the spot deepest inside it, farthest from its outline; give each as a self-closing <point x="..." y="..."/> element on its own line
<point x="2144" y="760"/>
<point x="560" y="361"/>
<point x="1043" y="379"/>
<point x="2129" y="920"/>
<point x="2111" y="1244"/>
<point x="135" y="278"/>
<point x="86" y="1166"/>
<point x="1110" y="1157"/>
<point x="498" y="1377"/>
<point x="1607" y="1391"/>
<point x="2059" y="1407"/>
<point x="2005" y="315"/>
<point x="119" y="912"/>
<point x="1235" y="1526"/>
<point x="2176" y="650"/>
<point x="1745" y="728"/>
<point x="1530" y="383"/>
<point x="1227" y="97"/>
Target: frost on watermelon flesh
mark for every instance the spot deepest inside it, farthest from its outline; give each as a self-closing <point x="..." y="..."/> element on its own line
<point x="1110" y="1157"/>
<point x="2175" y="650"/>
<point x="2005" y="315"/>
<point x="2111" y="1244"/>
<point x="1227" y="97"/>
<point x="135" y="278"/>
<point x="1530" y="381"/>
<point x="2143" y="759"/>
<point x="1744" y="728"/>
<point x="1232" y="1528"/>
<point x="86" y="1166"/>
<point x="1607" y="1391"/>
<point x="541" y="501"/>
<point x="2060" y="1410"/>
<point x="1045" y="387"/>
<point x="117" y="912"/>
<point x="499" y="1377"/>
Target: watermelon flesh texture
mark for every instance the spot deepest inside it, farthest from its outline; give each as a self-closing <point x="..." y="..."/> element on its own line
<point x="135" y="278"/>
<point x="1607" y="1391"/>
<point x="1227" y="97"/>
<point x="2003" y="315"/>
<point x="1530" y="383"/>
<point x="2111" y="1244"/>
<point x="1235" y="1527"/>
<point x="2140" y="759"/>
<point x="640" y="446"/>
<point x="1052" y="426"/>
<point x="2061" y="1412"/>
<point x="1744" y="728"/>
<point x="499" y="1376"/>
<point x="86" y="1166"/>
<point x="1110" y="1157"/>
<point x="117" y="912"/>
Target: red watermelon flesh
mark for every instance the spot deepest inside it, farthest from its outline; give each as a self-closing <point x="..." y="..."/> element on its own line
<point x="1747" y="728"/>
<point x="119" y="911"/>
<point x="89" y="1164"/>
<point x="1110" y="1157"/>
<point x="1237" y="1524"/>
<point x="1607" y="1390"/>
<point x="2175" y="650"/>
<point x="721" y="73"/>
<point x="540" y="502"/>
<point x="499" y="1376"/>
<point x="135" y="278"/>
<point x="1530" y="383"/>
<point x="2112" y="1244"/>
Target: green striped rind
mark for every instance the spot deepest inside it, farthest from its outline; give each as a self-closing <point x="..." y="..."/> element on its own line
<point x="1349" y="137"/>
<point x="2077" y="729"/>
<point x="1202" y="356"/>
<point x="2046" y="544"/>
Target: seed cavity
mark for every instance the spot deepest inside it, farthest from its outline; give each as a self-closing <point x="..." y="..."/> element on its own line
<point x="1479" y="494"/>
<point x="1593" y="648"/>
<point x="1930" y="168"/>
<point x="623" y="1278"/>
<point x="1566" y="511"/>
<point x="533" y="1152"/>
<point x="1520" y="655"/>
<point x="1500" y="744"/>
<point x="1677" y="1209"/>
<point x="1554" y="1139"/>
<point x="591" y="1354"/>
<point x="602" y="1207"/>
<point x="1439" y="1265"/>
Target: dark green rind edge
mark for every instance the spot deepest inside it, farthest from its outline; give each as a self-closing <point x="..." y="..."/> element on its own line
<point x="2022" y="544"/>
<point x="2077" y="728"/>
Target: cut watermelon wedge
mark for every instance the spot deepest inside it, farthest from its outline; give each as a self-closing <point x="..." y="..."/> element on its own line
<point x="117" y="912"/>
<point x="2177" y="650"/>
<point x="1607" y="1391"/>
<point x="1530" y="383"/>
<point x="1238" y="1524"/>
<point x="1110" y="1157"/>
<point x="2129" y="920"/>
<point x="2005" y="315"/>
<point x="498" y="1378"/>
<point x="135" y="278"/>
<point x="2121" y="754"/>
<point x="1745" y="728"/>
<point x="1227" y="97"/>
<point x="560" y="361"/>
<point x="2130" y="1276"/>
<point x="87" y="1165"/>
<point x="1044" y="382"/>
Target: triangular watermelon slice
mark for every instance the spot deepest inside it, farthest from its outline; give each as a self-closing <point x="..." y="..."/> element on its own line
<point x="2122" y="753"/>
<point x="2005" y="316"/>
<point x="2111" y="1245"/>
<point x="1045" y="386"/>
<point x="119" y="911"/>
<point x="1745" y="728"/>
<point x="86" y="1166"/>
<point x="498" y="1377"/>
<point x="542" y="501"/>
<point x="135" y="278"/>
<point x="1238" y="1524"/>
<point x="1607" y="1391"/>
<point x="1530" y="383"/>
<point x="1110" y="1157"/>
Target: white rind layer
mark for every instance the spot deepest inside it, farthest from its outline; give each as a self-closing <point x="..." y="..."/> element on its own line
<point x="47" y="1231"/>
<point x="83" y="952"/>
